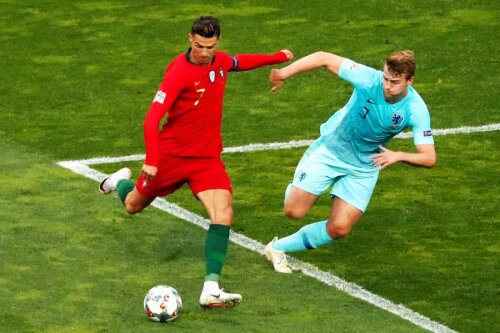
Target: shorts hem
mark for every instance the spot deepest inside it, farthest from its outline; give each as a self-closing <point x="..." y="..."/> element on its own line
<point x="362" y="208"/>
<point x="307" y="190"/>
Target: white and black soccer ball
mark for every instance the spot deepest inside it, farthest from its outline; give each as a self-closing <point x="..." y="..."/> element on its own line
<point x="162" y="303"/>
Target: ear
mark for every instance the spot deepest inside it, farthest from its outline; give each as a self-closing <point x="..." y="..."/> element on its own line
<point x="190" y="36"/>
<point x="409" y="82"/>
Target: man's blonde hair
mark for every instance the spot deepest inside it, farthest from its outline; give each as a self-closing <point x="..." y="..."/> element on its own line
<point x="402" y="63"/>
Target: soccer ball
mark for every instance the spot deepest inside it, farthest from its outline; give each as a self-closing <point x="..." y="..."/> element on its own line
<point x="162" y="303"/>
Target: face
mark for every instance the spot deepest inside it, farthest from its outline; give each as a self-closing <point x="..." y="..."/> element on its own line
<point x="202" y="49"/>
<point x="395" y="86"/>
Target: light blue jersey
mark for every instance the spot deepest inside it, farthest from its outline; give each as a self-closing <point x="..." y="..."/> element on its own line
<point x="354" y="132"/>
<point x="341" y="156"/>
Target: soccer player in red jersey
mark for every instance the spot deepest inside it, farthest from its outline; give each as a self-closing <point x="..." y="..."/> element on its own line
<point x="186" y="150"/>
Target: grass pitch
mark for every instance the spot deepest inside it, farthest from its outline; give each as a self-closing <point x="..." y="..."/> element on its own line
<point x="77" y="80"/>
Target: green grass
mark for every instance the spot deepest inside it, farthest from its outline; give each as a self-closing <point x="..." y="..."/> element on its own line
<point x="77" y="79"/>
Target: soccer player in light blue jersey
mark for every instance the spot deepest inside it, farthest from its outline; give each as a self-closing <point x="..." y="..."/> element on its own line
<point x="350" y="151"/>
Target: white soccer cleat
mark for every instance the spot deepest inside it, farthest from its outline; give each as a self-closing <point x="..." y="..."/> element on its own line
<point x="278" y="258"/>
<point x="220" y="299"/>
<point x="108" y="184"/>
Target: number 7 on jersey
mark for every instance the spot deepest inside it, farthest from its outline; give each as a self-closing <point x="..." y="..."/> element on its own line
<point x="201" y="91"/>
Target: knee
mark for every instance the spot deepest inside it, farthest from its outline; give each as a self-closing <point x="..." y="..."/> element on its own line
<point x="224" y="216"/>
<point x="133" y="209"/>
<point x="293" y="212"/>
<point x="338" y="231"/>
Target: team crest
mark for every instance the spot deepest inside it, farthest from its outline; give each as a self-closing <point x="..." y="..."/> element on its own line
<point x="211" y="76"/>
<point x="302" y="176"/>
<point x="397" y="120"/>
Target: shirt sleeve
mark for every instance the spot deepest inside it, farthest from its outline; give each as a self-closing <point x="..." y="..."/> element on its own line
<point x="245" y="62"/>
<point x="165" y="97"/>
<point x="360" y="76"/>
<point x="420" y="121"/>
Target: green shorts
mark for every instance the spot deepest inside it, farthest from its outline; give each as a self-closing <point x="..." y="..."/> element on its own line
<point x="319" y="168"/>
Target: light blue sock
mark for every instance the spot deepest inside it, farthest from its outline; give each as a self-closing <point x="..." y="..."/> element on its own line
<point x="308" y="237"/>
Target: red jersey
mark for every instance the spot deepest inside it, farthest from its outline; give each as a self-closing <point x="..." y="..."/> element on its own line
<point x="192" y="95"/>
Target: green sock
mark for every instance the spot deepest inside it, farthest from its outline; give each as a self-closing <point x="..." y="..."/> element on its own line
<point x="123" y="188"/>
<point x="215" y="250"/>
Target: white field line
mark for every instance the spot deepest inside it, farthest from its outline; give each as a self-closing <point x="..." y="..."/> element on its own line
<point x="82" y="167"/>
<point x="293" y="144"/>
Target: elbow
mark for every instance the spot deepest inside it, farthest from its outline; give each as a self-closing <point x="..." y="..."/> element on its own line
<point x="328" y="60"/>
<point x="322" y="54"/>
<point x="427" y="156"/>
<point x="320" y="57"/>
<point x="323" y="57"/>
<point x="431" y="162"/>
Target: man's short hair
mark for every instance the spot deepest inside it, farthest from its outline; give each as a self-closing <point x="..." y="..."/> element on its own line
<point x="402" y="63"/>
<point x="206" y="26"/>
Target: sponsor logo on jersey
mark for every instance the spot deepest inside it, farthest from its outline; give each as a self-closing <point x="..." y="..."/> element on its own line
<point x="211" y="76"/>
<point x="369" y="101"/>
<point x="196" y="83"/>
<point x="428" y="133"/>
<point x="221" y="72"/>
<point x="160" y="97"/>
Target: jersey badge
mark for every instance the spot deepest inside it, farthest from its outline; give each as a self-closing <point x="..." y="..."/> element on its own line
<point x="353" y="66"/>
<point x="302" y="176"/>
<point x="160" y="97"/>
<point x="211" y="76"/>
<point x="428" y="133"/>
<point x="397" y="119"/>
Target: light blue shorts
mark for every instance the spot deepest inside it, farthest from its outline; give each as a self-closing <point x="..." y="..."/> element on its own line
<point x="319" y="168"/>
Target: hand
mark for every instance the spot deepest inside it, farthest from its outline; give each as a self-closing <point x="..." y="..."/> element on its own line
<point x="385" y="158"/>
<point x="149" y="171"/>
<point x="288" y="53"/>
<point x="276" y="79"/>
